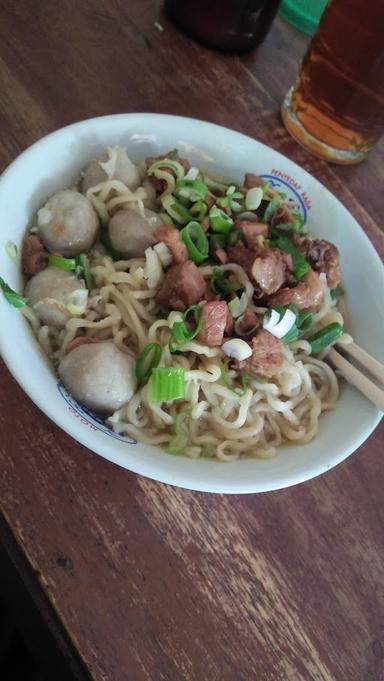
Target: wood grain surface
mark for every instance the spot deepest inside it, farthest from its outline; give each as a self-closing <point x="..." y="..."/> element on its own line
<point x="152" y="582"/>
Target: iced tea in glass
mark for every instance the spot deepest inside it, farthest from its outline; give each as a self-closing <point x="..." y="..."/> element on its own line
<point x="336" y="108"/>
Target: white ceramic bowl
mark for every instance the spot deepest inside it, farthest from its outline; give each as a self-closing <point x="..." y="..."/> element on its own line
<point x="55" y="162"/>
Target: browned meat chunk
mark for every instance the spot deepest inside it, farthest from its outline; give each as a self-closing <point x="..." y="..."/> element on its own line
<point x="272" y="269"/>
<point x="182" y="286"/>
<point x="220" y="255"/>
<point x="308" y="293"/>
<point x="241" y="255"/>
<point x="170" y="236"/>
<point x="215" y="316"/>
<point x="229" y="324"/>
<point x="251" y="180"/>
<point x="252" y="231"/>
<point x="267" y="355"/>
<point x="323" y="256"/>
<point x="282" y="216"/>
<point x="35" y="256"/>
<point x="248" y="323"/>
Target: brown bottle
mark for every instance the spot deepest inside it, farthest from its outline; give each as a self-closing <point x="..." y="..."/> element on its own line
<point x="233" y="25"/>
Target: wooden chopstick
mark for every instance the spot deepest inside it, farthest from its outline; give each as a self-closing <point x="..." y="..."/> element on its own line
<point x="365" y="359"/>
<point x="356" y="377"/>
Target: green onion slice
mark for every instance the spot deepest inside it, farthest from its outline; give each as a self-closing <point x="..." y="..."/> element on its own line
<point x="273" y="205"/>
<point x="167" y="383"/>
<point x="233" y="237"/>
<point x="169" y="164"/>
<point x="82" y="263"/>
<point x="245" y="378"/>
<point x="174" y="154"/>
<point x="198" y="210"/>
<point x="337" y="292"/>
<point x="221" y="285"/>
<point x="219" y="220"/>
<point x="217" y="240"/>
<point x="181" y="334"/>
<point x="329" y="334"/>
<point x="196" y="242"/>
<point x="300" y="264"/>
<point x="193" y="190"/>
<point x="148" y="359"/>
<point x="180" y="440"/>
<point x="11" y="296"/>
<point x="63" y="263"/>
<point x="175" y="209"/>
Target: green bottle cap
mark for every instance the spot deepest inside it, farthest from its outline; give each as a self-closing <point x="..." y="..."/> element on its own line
<point x="304" y="14"/>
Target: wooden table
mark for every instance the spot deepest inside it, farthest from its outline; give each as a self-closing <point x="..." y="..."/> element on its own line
<point x="140" y="581"/>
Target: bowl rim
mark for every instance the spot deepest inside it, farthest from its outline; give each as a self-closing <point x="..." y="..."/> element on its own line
<point x="114" y="456"/>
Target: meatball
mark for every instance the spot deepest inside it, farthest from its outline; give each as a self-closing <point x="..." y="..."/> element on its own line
<point x="67" y="223"/>
<point x="131" y="233"/>
<point x="118" y="164"/>
<point x="99" y="376"/>
<point x="50" y="292"/>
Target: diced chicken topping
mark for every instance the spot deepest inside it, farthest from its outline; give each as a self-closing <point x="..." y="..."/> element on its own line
<point x="215" y="316"/>
<point x="182" y="286"/>
<point x="308" y="293"/>
<point x="271" y="270"/>
<point x="323" y="257"/>
<point x="170" y="236"/>
<point x="267" y="355"/>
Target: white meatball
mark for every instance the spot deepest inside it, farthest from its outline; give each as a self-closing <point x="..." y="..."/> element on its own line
<point x="99" y="376"/>
<point x="130" y="233"/>
<point x="112" y="165"/>
<point x="51" y="291"/>
<point x="67" y="223"/>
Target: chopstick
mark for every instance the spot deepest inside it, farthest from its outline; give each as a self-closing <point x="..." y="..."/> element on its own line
<point x="356" y="377"/>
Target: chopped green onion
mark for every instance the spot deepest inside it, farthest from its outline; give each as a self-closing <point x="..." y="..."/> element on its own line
<point x="291" y="335"/>
<point x="63" y="263"/>
<point x="245" y="378"/>
<point x="193" y="190"/>
<point x="82" y="263"/>
<point x="283" y="195"/>
<point x="166" y="219"/>
<point x="196" y="242"/>
<point x="253" y="198"/>
<point x="233" y="237"/>
<point x="231" y="190"/>
<point x="167" y="163"/>
<point x="337" y="292"/>
<point x="237" y="306"/>
<point x="329" y="334"/>
<point x="220" y="283"/>
<point x="180" y="331"/>
<point x="175" y="209"/>
<point x="198" y="210"/>
<point x="106" y="242"/>
<point x="219" y="220"/>
<point x="180" y="440"/>
<point x="11" y="250"/>
<point x="236" y="207"/>
<point x="144" y="367"/>
<point x="273" y="205"/>
<point x="174" y="154"/>
<point x="300" y="264"/>
<point x="217" y="241"/>
<point x="167" y="383"/>
<point x="237" y="195"/>
<point x="305" y="320"/>
<point x="11" y="296"/>
<point x="223" y="201"/>
<point x="265" y="187"/>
